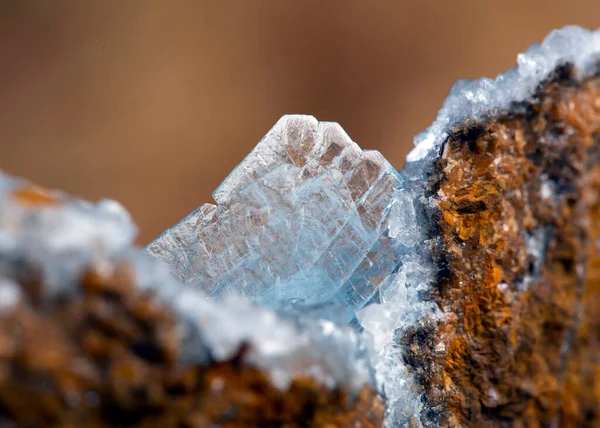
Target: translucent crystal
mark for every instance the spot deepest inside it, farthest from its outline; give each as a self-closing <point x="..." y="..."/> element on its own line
<point x="309" y="221"/>
<point x="303" y="220"/>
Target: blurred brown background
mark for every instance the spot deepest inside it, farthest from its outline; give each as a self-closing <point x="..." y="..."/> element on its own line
<point x="153" y="102"/>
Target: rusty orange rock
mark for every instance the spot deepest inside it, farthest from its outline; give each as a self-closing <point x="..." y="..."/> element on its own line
<point x="516" y="205"/>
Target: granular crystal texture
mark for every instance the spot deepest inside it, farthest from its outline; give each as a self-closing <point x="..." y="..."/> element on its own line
<point x="94" y="333"/>
<point x="475" y="99"/>
<point x="302" y="221"/>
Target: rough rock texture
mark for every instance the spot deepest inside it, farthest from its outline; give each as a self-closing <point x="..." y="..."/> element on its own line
<point x="104" y="351"/>
<point x="516" y="206"/>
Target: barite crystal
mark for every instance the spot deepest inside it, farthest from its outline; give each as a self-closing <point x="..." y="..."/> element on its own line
<point x="310" y="224"/>
<point x="304" y="220"/>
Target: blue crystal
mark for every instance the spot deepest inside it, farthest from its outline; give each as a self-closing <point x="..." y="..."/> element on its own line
<point x="303" y="221"/>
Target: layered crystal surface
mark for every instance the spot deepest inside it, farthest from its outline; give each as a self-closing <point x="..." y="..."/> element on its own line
<point x="304" y="221"/>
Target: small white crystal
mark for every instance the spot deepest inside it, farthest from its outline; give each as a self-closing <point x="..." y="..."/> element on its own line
<point x="10" y="295"/>
<point x="60" y="238"/>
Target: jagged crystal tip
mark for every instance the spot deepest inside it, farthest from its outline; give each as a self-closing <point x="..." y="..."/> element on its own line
<point x="304" y="220"/>
<point x="310" y="219"/>
<point x="474" y="99"/>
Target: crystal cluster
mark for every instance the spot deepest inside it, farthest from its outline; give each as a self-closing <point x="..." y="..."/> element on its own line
<point x="471" y="100"/>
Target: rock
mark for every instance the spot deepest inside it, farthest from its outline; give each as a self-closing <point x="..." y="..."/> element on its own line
<point x="515" y="203"/>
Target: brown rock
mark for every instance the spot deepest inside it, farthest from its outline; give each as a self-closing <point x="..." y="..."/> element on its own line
<point x="517" y="209"/>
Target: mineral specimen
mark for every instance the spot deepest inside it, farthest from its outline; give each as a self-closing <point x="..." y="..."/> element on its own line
<point x="470" y="279"/>
<point x="481" y="254"/>
<point x="93" y="333"/>
<point x="514" y="200"/>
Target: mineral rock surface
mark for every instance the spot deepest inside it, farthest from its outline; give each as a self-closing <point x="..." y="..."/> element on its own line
<point x="470" y="279"/>
<point x="516" y="203"/>
<point x="513" y="200"/>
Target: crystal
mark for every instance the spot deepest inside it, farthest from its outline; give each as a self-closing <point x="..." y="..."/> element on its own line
<point x="310" y="224"/>
<point x="304" y="220"/>
<point x="368" y="247"/>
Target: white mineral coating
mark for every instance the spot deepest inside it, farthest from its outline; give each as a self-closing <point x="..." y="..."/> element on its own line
<point x="59" y="238"/>
<point x="475" y="99"/>
<point x="10" y="295"/>
<point x="283" y="346"/>
<point x="302" y="221"/>
<point x="402" y="306"/>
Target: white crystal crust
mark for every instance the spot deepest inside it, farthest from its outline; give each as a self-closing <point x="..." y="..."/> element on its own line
<point x="474" y="99"/>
